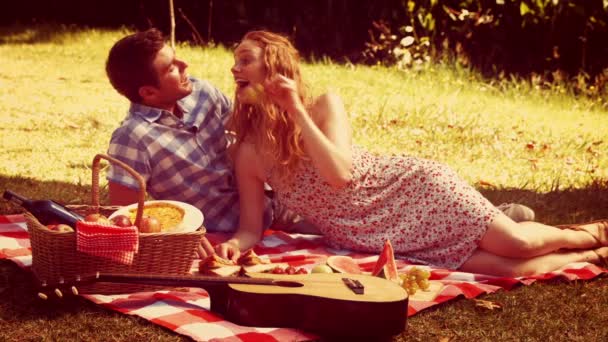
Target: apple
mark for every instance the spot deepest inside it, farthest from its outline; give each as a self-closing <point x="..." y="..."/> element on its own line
<point x="96" y="217"/>
<point x="149" y="224"/>
<point x="64" y="228"/>
<point x="121" y="221"/>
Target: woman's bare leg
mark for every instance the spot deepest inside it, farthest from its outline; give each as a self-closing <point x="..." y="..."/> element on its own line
<point x="507" y="238"/>
<point x="487" y="263"/>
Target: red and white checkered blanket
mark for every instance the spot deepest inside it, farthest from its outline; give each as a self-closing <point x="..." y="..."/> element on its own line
<point x="188" y="312"/>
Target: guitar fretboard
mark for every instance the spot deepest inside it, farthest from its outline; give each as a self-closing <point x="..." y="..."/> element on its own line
<point x="180" y="280"/>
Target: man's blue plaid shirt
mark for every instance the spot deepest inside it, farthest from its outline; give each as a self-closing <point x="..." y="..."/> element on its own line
<point x="183" y="160"/>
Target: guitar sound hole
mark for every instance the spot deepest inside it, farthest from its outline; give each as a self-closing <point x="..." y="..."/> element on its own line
<point x="286" y="283"/>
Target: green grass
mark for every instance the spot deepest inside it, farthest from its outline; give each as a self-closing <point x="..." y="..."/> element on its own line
<point x="541" y="147"/>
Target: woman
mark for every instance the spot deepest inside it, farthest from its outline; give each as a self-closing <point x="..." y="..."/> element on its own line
<point x="302" y="148"/>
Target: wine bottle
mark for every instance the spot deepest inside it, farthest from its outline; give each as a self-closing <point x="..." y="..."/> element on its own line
<point x="46" y="211"/>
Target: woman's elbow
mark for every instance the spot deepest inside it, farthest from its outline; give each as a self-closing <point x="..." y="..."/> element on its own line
<point x="341" y="181"/>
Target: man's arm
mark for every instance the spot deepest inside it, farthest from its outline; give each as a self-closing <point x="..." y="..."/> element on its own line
<point x="121" y="195"/>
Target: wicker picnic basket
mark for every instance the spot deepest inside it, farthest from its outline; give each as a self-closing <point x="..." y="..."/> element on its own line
<point x="55" y="258"/>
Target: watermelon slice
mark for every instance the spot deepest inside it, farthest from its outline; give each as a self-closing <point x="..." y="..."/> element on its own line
<point x="343" y="264"/>
<point x="385" y="266"/>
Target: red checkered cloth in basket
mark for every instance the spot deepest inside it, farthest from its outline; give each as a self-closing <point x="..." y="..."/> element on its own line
<point x="187" y="312"/>
<point x="104" y="240"/>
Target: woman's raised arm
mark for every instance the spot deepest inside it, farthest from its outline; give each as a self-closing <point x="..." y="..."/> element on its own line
<point x="326" y="132"/>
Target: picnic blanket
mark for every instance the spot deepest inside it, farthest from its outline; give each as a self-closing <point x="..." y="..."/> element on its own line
<point x="187" y="312"/>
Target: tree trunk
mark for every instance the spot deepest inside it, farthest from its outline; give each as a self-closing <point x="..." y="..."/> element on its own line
<point x="172" y="19"/>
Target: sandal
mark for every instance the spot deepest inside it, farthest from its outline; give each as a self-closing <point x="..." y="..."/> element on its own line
<point x="602" y="227"/>
<point x="602" y="256"/>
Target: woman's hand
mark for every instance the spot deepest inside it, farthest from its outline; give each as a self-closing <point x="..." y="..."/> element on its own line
<point x="228" y="250"/>
<point x="283" y="91"/>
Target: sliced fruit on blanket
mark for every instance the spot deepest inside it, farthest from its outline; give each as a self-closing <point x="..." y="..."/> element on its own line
<point x="216" y="265"/>
<point x="385" y="266"/>
<point x="249" y="258"/>
<point x="261" y="268"/>
<point x="343" y="264"/>
<point x="224" y="271"/>
<point x="321" y="268"/>
<point x="215" y="261"/>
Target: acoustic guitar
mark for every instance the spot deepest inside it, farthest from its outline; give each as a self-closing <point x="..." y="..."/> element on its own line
<point x="327" y="304"/>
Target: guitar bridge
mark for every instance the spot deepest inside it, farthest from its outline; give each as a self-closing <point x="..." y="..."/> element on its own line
<point x="354" y="285"/>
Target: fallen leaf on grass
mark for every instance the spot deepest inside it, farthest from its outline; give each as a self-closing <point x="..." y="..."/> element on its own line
<point x="482" y="182"/>
<point x="486" y="304"/>
<point x="592" y="151"/>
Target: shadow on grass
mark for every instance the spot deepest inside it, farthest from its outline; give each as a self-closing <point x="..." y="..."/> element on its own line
<point x="548" y="310"/>
<point x="18" y="295"/>
<point x="555" y="207"/>
<point x="24" y="316"/>
<point x="558" y="206"/>
<point x="38" y="33"/>
<point x="32" y="34"/>
<point x="61" y="192"/>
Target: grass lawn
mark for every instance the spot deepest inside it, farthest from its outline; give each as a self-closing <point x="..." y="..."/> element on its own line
<point x="514" y="141"/>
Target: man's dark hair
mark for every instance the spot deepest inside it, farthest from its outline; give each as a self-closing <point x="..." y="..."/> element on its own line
<point x="129" y="65"/>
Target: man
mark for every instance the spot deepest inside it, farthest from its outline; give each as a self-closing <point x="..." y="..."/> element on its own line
<point x="174" y="135"/>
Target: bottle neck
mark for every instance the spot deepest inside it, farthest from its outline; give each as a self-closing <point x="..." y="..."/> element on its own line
<point x="13" y="197"/>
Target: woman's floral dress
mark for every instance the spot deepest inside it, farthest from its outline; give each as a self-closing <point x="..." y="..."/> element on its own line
<point x="425" y="209"/>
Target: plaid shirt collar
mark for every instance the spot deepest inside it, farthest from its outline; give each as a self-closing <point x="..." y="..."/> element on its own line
<point x="153" y="114"/>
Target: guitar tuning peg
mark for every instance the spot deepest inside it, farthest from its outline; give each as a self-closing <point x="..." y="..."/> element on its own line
<point x="58" y="293"/>
<point x="74" y="290"/>
<point x="42" y="296"/>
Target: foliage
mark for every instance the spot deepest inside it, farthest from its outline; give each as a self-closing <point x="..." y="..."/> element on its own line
<point x="404" y="51"/>
<point x="526" y="38"/>
<point x="553" y="39"/>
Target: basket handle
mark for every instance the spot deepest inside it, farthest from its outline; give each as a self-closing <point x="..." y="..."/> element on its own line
<point x="142" y="185"/>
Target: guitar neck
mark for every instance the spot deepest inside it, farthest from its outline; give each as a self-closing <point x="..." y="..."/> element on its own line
<point x="179" y="280"/>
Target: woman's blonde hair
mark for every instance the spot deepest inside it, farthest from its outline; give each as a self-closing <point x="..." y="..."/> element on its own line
<point x="269" y="127"/>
